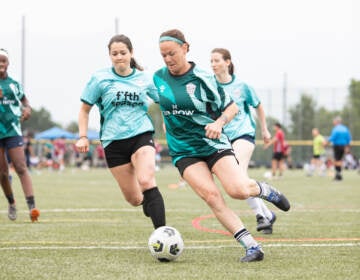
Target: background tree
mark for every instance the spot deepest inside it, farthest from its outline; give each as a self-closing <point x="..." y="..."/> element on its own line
<point x="40" y="120"/>
<point x="73" y="127"/>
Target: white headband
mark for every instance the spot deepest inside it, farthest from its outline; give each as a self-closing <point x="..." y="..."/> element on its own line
<point x="4" y="53"/>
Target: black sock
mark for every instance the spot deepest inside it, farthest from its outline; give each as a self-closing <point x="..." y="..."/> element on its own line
<point x="153" y="206"/>
<point x="338" y="170"/>
<point x="30" y="200"/>
<point x="10" y="198"/>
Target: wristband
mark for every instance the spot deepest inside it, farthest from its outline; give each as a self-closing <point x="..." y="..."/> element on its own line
<point x="84" y="136"/>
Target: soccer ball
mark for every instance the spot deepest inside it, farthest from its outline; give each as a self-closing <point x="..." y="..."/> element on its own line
<point x="166" y="244"/>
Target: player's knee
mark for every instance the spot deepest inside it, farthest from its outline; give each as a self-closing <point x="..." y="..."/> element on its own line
<point x="212" y="198"/>
<point x="134" y="201"/>
<point x="146" y="179"/>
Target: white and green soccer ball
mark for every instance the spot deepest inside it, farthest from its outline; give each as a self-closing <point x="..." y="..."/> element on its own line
<point x="166" y="244"/>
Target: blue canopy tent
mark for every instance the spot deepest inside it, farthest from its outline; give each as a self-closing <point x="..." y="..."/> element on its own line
<point x="54" y="133"/>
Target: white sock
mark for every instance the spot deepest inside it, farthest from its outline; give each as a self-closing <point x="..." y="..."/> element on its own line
<point x="255" y="205"/>
<point x="245" y="238"/>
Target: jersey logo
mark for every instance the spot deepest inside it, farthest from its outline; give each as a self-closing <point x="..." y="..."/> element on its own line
<point x="162" y="88"/>
<point x="190" y="88"/>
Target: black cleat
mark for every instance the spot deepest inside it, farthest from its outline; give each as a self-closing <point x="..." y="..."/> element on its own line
<point x="253" y="254"/>
<point x="272" y="195"/>
<point x="262" y="223"/>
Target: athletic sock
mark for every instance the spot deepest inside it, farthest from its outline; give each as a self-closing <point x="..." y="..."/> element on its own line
<point x="338" y="169"/>
<point x="245" y="238"/>
<point x="153" y="206"/>
<point x="10" y="198"/>
<point x="30" y="200"/>
<point x="254" y="204"/>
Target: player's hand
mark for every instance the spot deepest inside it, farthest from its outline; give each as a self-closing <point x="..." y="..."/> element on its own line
<point x="214" y="130"/>
<point x="266" y="136"/>
<point x="82" y="145"/>
<point x="25" y="113"/>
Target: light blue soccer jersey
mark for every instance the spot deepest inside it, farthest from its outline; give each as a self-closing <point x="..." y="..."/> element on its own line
<point x="244" y="97"/>
<point x="188" y="103"/>
<point x="123" y="103"/>
<point x="11" y="93"/>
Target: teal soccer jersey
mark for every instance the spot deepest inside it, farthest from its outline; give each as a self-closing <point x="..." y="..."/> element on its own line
<point x="11" y="93"/>
<point x="244" y="97"/>
<point x="123" y="103"/>
<point x="188" y="103"/>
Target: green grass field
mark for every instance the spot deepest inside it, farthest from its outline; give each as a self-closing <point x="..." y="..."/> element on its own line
<point x="87" y="231"/>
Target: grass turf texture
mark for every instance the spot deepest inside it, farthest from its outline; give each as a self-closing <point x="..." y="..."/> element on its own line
<point x="87" y="231"/>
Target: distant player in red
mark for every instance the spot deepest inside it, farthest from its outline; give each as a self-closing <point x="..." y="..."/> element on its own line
<point x="278" y="142"/>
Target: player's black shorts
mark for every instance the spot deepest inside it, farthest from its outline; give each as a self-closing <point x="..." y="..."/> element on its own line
<point x="278" y="156"/>
<point x="316" y="156"/>
<point x="339" y="152"/>
<point x="11" y="142"/>
<point x="183" y="163"/>
<point x="119" y="152"/>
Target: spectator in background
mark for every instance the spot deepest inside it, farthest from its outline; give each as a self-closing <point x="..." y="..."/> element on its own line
<point x="340" y="138"/>
<point x="278" y="142"/>
<point x="317" y="164"/>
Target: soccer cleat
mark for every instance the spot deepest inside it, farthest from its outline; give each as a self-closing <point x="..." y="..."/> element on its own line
<point x="272" y="195"/>
<point x="253" y="254"/>
<point x="273" y="219"/>
<point x="262" y="222"/>
<point x="34" y="214"/>
<point x="269" y="230"/>
<point x="12" y="212"/>
<point x="338" y="177"/>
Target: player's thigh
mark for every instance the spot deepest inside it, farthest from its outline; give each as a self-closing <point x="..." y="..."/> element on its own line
<point x="126" y="178"/>
<point x="144" y="159"/>
<point x="243" y="150"/>
<point x="229" y="174"/>
<point x="17" y="157"/>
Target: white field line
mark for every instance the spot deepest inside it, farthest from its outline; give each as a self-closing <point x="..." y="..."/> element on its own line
<point x="135" y="209"/>
<point x="212" y="247"/>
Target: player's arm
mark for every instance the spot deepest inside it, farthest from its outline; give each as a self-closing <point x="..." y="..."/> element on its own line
<point x="260" y="112"/>
<point x="214" y="130"/>
<point x="83" y="143"/>
<point x="26" y="109"/>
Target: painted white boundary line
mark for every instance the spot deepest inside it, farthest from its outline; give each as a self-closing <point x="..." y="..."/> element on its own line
<point x="23" y="248"/>
<point x="135" y="209"/>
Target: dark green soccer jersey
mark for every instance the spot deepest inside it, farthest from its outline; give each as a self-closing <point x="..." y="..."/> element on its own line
<point x="11" y="94"/>
<point x="189" y="102"/>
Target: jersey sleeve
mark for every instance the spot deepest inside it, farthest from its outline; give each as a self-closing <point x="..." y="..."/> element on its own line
<point x="251" y="97"/>
<point x="152" y="90"/>
<point x="92" y="92"/>
<point x="20" y="91"/>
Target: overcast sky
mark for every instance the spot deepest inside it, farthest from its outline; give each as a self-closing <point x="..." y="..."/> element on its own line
<point x="315" y="42"/>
